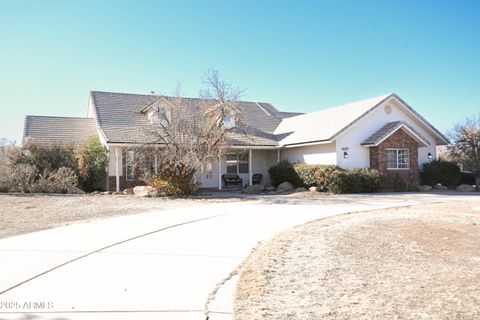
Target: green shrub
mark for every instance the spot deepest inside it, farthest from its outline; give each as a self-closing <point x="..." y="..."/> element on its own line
<point x="284" y="172"/>
<point x="63" y="180"/>
<point x="323" y="176"/>
<point x="16" y="177"/>
<point x="310" y="174"/>
<point x="92" y="163"/>
<point x="48" y="158"/>
<point x="329" y="178"/>
<point x="22" y="177"/>
<point x="174" y="181"/>
<point x="60" y="181"/>
<point x="441" y="171"/>
<point x="87" y="163"/>
<point x="355" y="181"/>
<point x="5" y="176"/>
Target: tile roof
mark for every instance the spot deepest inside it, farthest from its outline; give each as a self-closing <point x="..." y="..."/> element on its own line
<point x="120" y="117"/>
<point x="62" y="130"/>
<point x="325" y="124"/>
<point x="388" y="130"/>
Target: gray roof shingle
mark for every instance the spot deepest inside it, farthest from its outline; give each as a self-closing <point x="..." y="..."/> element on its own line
<point x="58" y="130"/>
<point x="387" y="130"/>
<point x="120" y="117"/>
<point x="325" y="124"/>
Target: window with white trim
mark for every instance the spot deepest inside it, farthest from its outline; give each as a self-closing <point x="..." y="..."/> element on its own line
<point x="130" y="165"/>
<point x="209" y="170"/>
<point x="228" y="121"/>
<point x="398" y="159"/>
<point x="160" y="116"/>
<point x="237" y="162"/>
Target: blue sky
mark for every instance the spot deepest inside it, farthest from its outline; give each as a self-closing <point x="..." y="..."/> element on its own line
<point x="297" y="55"/>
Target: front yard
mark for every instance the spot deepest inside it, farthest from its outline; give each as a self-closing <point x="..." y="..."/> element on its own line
<point x="420" y="262"/>
<point x="24" y="213"/>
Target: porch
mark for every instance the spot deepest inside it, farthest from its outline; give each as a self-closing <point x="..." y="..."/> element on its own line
<point x="125" y="172"/>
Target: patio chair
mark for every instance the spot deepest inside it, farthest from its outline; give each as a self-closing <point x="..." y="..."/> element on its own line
<point x="257" y="178"/>
<point x="231" y="179"/>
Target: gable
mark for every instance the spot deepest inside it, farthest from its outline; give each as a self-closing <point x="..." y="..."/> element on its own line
<point x="329" y="124"/>
<point x="323" y="125"/>
<point x="391" y="129"/>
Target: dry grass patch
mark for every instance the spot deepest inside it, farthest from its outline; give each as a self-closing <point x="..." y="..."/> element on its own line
<point x="420" y="262"/>
<point x="28" y="213"/>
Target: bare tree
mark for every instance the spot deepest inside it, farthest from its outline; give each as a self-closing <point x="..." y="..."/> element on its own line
<point x="187" y="133"/>
<point x="8" y="149"/>
<point x="465" y="149"/>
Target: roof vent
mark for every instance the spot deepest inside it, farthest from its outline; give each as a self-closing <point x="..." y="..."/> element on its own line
<point x="388" y="109"/>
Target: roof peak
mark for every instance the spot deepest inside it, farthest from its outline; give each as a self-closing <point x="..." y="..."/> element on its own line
<point x="55" y="117"/>
<point x="168" y="96"/>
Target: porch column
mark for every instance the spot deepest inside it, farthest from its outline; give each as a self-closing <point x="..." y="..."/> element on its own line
<point x="278" y="155"/>
<point x="117" y="169"/>
<point x="156" y="164"/>
<point x="250" y="167"/>
<point x="219" y="174"/>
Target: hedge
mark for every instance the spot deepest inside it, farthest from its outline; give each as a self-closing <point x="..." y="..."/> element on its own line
<point x="355" y="181"/>
<point x="313" y="175"/>
<point x="441" y="171"/>
<point x="284" y="172"/>
<point x="328" y="178"/>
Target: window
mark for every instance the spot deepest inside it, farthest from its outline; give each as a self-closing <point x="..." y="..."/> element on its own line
<point x="398" y="159"/>
<point x="237" y="162"/>
<point x="231" y="163"/>
<point x="243" y="163"/>
<point x="146" y="165"/>
<point x="130" y="166"/>
<point x="229" y="121"/>
<point x="160" y="116"/>
<point x="208" y="170"/>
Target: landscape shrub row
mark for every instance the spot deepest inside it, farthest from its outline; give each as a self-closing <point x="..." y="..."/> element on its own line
<point x="328" y="178"/>
<point x="441" y="171"/>
<point x="55" y="168"/>
<point x="26" y="178"/>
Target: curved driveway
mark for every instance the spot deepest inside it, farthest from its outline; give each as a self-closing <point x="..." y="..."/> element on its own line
<point x="158" y="265"/>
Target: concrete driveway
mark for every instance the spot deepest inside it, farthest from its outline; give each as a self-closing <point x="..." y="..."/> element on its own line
<point x="177" y="264"/>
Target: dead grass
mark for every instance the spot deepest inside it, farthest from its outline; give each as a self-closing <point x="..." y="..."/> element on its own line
<point x="420" y="262"/>
<point x="28" y="213"/>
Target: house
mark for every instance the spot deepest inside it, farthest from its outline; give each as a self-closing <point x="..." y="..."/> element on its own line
<point x="384" y="133"/>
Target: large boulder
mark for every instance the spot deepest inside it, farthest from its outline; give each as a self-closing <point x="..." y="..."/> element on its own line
<point x="313" y="189"/>
<point x="465" y="188"/>
<point x="425" y="188"/>
<point x="145" y="191"/>
<point x="439" y="186"/>
<point x="75" y="190"/>
<point x="253" y="189"/>
<point x="270" y="188"/>
<point x="128" y="192"/>
<point x="285" y="187"/>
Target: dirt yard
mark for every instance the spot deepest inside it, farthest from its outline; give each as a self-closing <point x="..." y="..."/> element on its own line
<point x="25" y="213"/>
<point x="420" y="262"/>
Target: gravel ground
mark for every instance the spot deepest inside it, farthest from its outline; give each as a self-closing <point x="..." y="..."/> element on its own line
<point x="24" y="213"/>
<point x="419" y="262"/>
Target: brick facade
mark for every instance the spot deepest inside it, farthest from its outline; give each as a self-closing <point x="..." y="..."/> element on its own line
<point x="400" y="178"/>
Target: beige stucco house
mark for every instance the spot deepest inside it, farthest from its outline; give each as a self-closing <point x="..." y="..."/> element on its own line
<point x="382" y="132"/>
